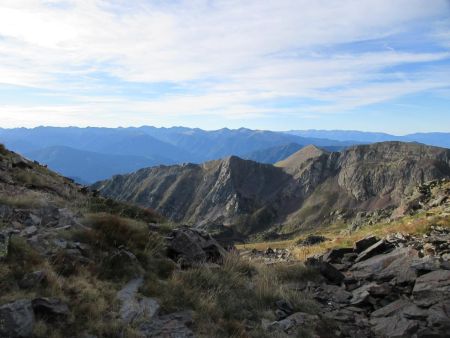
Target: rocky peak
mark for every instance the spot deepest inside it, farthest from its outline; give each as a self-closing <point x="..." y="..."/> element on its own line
<point x="297" y="159"/>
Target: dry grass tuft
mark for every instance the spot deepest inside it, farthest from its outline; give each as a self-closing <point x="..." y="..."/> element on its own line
<point x="226" y="297"/>
<point x="25" y="200"/>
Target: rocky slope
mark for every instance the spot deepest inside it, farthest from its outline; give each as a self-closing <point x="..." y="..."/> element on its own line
<point x="310" y="188"/>
<point x="73" y="264"/>
<point x="398" y="286"/>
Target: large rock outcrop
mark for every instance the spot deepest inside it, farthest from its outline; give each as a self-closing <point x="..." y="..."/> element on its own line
<point x="401" y="290"/>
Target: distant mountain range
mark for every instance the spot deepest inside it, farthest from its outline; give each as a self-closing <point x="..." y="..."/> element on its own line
<point x="87" y="166"/>
<point x="432" y="139"/>
<point x="90" y="154"/>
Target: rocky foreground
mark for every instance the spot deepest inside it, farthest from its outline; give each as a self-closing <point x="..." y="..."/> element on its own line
<point x="398" y="286"/>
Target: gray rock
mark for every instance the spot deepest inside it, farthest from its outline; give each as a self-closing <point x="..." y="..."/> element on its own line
<point x="365" y="243"/>
<point x="50" y="308"/>
<point x="293" y="322"/>
<point x="123" y="263"/>
<point x="284" y="309"/>
<point x="391" y="308"/>
<point x="132" y="308"/>
<point x="412" y="311"/>
<point x="327" y="270"/>
<point x="426" y="264"/>
<point x="194" y="246"/>
<point x="394" y="327"/>
<point x="362" y="294"/>
<point x="29" y="231"/>
<point x="174" y="325"/>
<point x="335" y="255"/>
<point x="432" y="287"/>
<point x="439" y="317"/>
<point x="400" y="268"/>
<point x="33" y="220"/>
<point x="16" y="319"/>
<point x="333" y="293"/>
<point x="32" y="279"/>
<point x="375" y="249"/>
<point x="379" y="266"/>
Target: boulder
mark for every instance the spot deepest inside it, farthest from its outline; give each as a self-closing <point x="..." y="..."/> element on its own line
<point x="123" y="263"/>
<point x="16" y="319"/>
<point x="426" y="264"/>
<point x="362" y="294"/>
<point x="379" y="266"/>
<point x="365" y="243"/>
<point x="132" y="308"/>
<point x="400" y="268"/>
<point x="284" y="309"/>
<point x="50" y="308"/>
<point x="373" y="250"/>
<point x="174" y="325"/>
<point x="439" y="316"/>
<point x="394" y="327"/>
<point x="32" y="279"/>
<point x="432" y="287"/>
<point x="336" y="255"/>
<point x="327" y="270"/>
<point x="391" y="308"/>
<point x="194" y="246"/>
<point x="334" y="293"/>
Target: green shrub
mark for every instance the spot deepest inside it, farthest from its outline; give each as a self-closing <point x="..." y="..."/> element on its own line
<point x="102" y="205"/>
<point x="107" y="233"/>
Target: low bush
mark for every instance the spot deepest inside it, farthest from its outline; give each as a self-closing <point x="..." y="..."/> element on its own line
<point x="106" y="233"/>
<point x="102" y="205"/>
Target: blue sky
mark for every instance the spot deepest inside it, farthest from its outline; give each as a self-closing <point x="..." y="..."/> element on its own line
<point x="376" y="65"/>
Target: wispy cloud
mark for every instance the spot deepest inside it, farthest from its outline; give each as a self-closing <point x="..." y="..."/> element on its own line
<point x="216" y="58"/>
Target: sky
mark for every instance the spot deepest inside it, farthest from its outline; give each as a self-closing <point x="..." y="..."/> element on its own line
<point x="374" y="65"/>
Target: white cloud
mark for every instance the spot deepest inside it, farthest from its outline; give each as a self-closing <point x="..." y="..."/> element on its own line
<point x="226" y="55"/>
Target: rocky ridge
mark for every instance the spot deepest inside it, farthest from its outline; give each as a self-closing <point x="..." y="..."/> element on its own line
<point x="309" y="188"/>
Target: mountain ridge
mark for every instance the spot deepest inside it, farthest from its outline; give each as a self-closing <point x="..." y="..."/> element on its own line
<point x="253" y="197"/>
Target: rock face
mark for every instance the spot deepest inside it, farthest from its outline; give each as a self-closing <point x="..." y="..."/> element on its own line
<point x="399" y="291"/>
<point x="133" y="309"/>
<point x="17" y="319"/>
<point x="191" y="246"/>
<point x="310" y="187"/>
